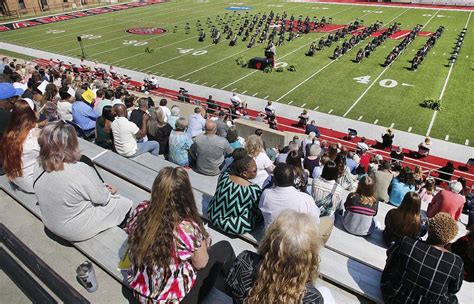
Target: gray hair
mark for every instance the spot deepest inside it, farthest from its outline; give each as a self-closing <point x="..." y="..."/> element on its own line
<point x="175" y="111"/>
<point x="181" y="124"/>
<point x="58" y="145"/>
<point x="314" y="150"/>
<point x="143" y="103"/>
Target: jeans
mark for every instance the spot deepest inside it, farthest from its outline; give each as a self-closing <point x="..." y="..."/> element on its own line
<point x="150" y="146"/>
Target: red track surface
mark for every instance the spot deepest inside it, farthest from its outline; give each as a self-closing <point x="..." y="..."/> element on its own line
<point x="429" y="162"/>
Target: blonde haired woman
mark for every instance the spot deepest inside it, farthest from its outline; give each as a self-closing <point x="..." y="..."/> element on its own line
<point x="254" y="147"/>
<point x="159" y="130"/>
<point x="286" y="266"/>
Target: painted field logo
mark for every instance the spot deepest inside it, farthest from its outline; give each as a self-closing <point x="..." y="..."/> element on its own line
<point x="238" y="8"/>
<point x="146" y="31"/>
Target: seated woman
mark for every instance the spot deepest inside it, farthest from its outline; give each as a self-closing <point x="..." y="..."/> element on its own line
<point x="286" y="266"/>
<point x="424" y="147"/>
<point x="179" y="143"/>
<point x="103" y="131"/>
<point x="406" y="220"/>
<point x="464" y="247"/>
<point x="401" y="185"/>
<point x="159" y="130"/>
<point x="361" y="208"/>
<point x="20" y="149"/>
<point x="345" y="177"/>
<point x="169" y="247"/>
<point x="233" y="138"/>
<point x="301" y="176"/>
<point x="234" y="207"/>
<point x="424" y="272"/>
<point x="327" y="195"/>
<point x="311" y="160"/>
<point x="75" y="204"/>
<point x="255" y="148"/>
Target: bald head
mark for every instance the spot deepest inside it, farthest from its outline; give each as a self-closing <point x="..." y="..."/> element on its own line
<point x="211" y="127"/>
<point x="120" y="110"/>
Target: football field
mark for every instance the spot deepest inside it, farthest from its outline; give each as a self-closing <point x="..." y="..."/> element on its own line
<point x="367" y="91"/>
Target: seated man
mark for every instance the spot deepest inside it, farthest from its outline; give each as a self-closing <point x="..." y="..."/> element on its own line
<point x="312" y="128"/>
<point x="237" y="102"/>
<point x="283" y="195"/>
<point x="449" y="201"/>
<point x="209" y="150"/>
<point x="196" y="122"/>
<point x="84" y="116"/>
<point x="126" y="134"/>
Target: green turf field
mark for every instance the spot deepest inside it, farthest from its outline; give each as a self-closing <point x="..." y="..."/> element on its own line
<point x="387" y="97"/>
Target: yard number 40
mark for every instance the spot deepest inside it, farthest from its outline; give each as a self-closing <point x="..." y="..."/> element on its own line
<point x="195" y="53"/>
<point x="386" y="83"/>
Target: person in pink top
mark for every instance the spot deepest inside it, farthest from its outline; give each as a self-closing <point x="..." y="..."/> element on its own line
<point x="449" y="201"/>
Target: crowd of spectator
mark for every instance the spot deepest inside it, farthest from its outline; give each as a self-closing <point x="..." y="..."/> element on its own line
<point x="295" y="192"/>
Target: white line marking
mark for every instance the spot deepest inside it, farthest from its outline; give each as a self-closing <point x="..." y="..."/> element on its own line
<point x="204" y="83"/>
<point x="391" y="126"/>
<point x="163" y="75"/>
<point x="360" y="117"/>
<point x="170" y="76"/>
<point x="330" y="111"/>
<point x="195" y="81"/>
<point x="430" y="126"/>
<point x="409" y="129"/>
<point x="291" y="101"/>
<point x="303" y="105"/>
<point x="255" y="94"/>
<point x="378" y="77"/>
<point x="376" y="121"/>
<point x="214" y="85"/>
<point x="234" y="89"/>
<point x="446" y="137"/>
<point x="243" y="92"/>
<point x="407" y="85"/>
<point x="266" y="97"/>
<point x="316" y="108"/>
<point x="186" y="79"/>
<point x="466" y="142"/>
<point x="307" y="78"/>
<point x="211" y="64"/>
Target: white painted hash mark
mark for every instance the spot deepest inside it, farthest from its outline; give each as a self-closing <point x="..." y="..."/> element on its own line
<point x="330" y="111"/>
<point x="376" y="121"/>
<point x="409" y="129"/>
<point x="360" y="117"/>
<point x="446" y="137"/>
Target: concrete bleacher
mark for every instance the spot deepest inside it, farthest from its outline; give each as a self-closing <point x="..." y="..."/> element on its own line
<point x="351" y="262"/>
<point x="364" y="259"/>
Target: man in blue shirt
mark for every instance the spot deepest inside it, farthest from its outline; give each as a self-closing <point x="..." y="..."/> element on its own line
<point x="312" y="128"/>
<point x="84" y="116"/>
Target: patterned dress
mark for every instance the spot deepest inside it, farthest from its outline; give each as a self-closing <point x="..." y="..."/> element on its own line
<point x="234" y="208"/>
<point x="150" y="283"/>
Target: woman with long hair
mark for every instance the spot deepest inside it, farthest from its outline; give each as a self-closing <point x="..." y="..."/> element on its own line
<point x="360" y="208"/>
<point x="20" y="147"/>
<point x="406" y="220"/>
<point x="75" y="203"/>
<point x="159" y="130"/>
<point x="301" y="176"/>
<point x="49" y="104"/>
<point x="255" y="149"/>
<point x="168" y="244"/>
<point x="103" y="128"/>
<point x="286" y="266"/>
<point x="345" y="177"/>
<point x="234" y="206"/>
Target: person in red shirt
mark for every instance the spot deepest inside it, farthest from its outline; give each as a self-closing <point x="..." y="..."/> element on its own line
<point x="449" y="201"/>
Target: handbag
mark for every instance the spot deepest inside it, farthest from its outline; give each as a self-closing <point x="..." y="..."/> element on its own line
<point x="326" y="205"/>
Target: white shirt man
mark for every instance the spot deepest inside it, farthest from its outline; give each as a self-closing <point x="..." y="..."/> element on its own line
<point x="236" y="101"/>
<point x="283" y="195"/>
<point x="124" y="136"/>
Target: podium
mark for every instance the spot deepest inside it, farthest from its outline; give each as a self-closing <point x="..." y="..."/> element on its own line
<point x="259" y="63"/>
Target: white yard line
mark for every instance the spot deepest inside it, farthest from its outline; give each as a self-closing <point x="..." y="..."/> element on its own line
<point x="376" y="121"/>
<point x="430" y="126"/>
<point x="303" y="105"/>
<point x="149" y="68"/>
<point x="381" y="74"/>
<point x="153" y="15"/>
<point x="291" y="101"/>
<point x="392" y="125"/>
<point x="330" y="111"/>
<point x="324" y="67"/>
<point x="295" y="50"/>
<point x="243" y="92"/>
<point x="446" y="138"/>
<point x="211" y="64"/>
<point x="254" y="94"/>
<point x="158" y="48"/>
<point x="409" y="129"/>
<point x="316" y="108"/>
<point x="360" y="117"/>
<point x="466" y="142"/>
